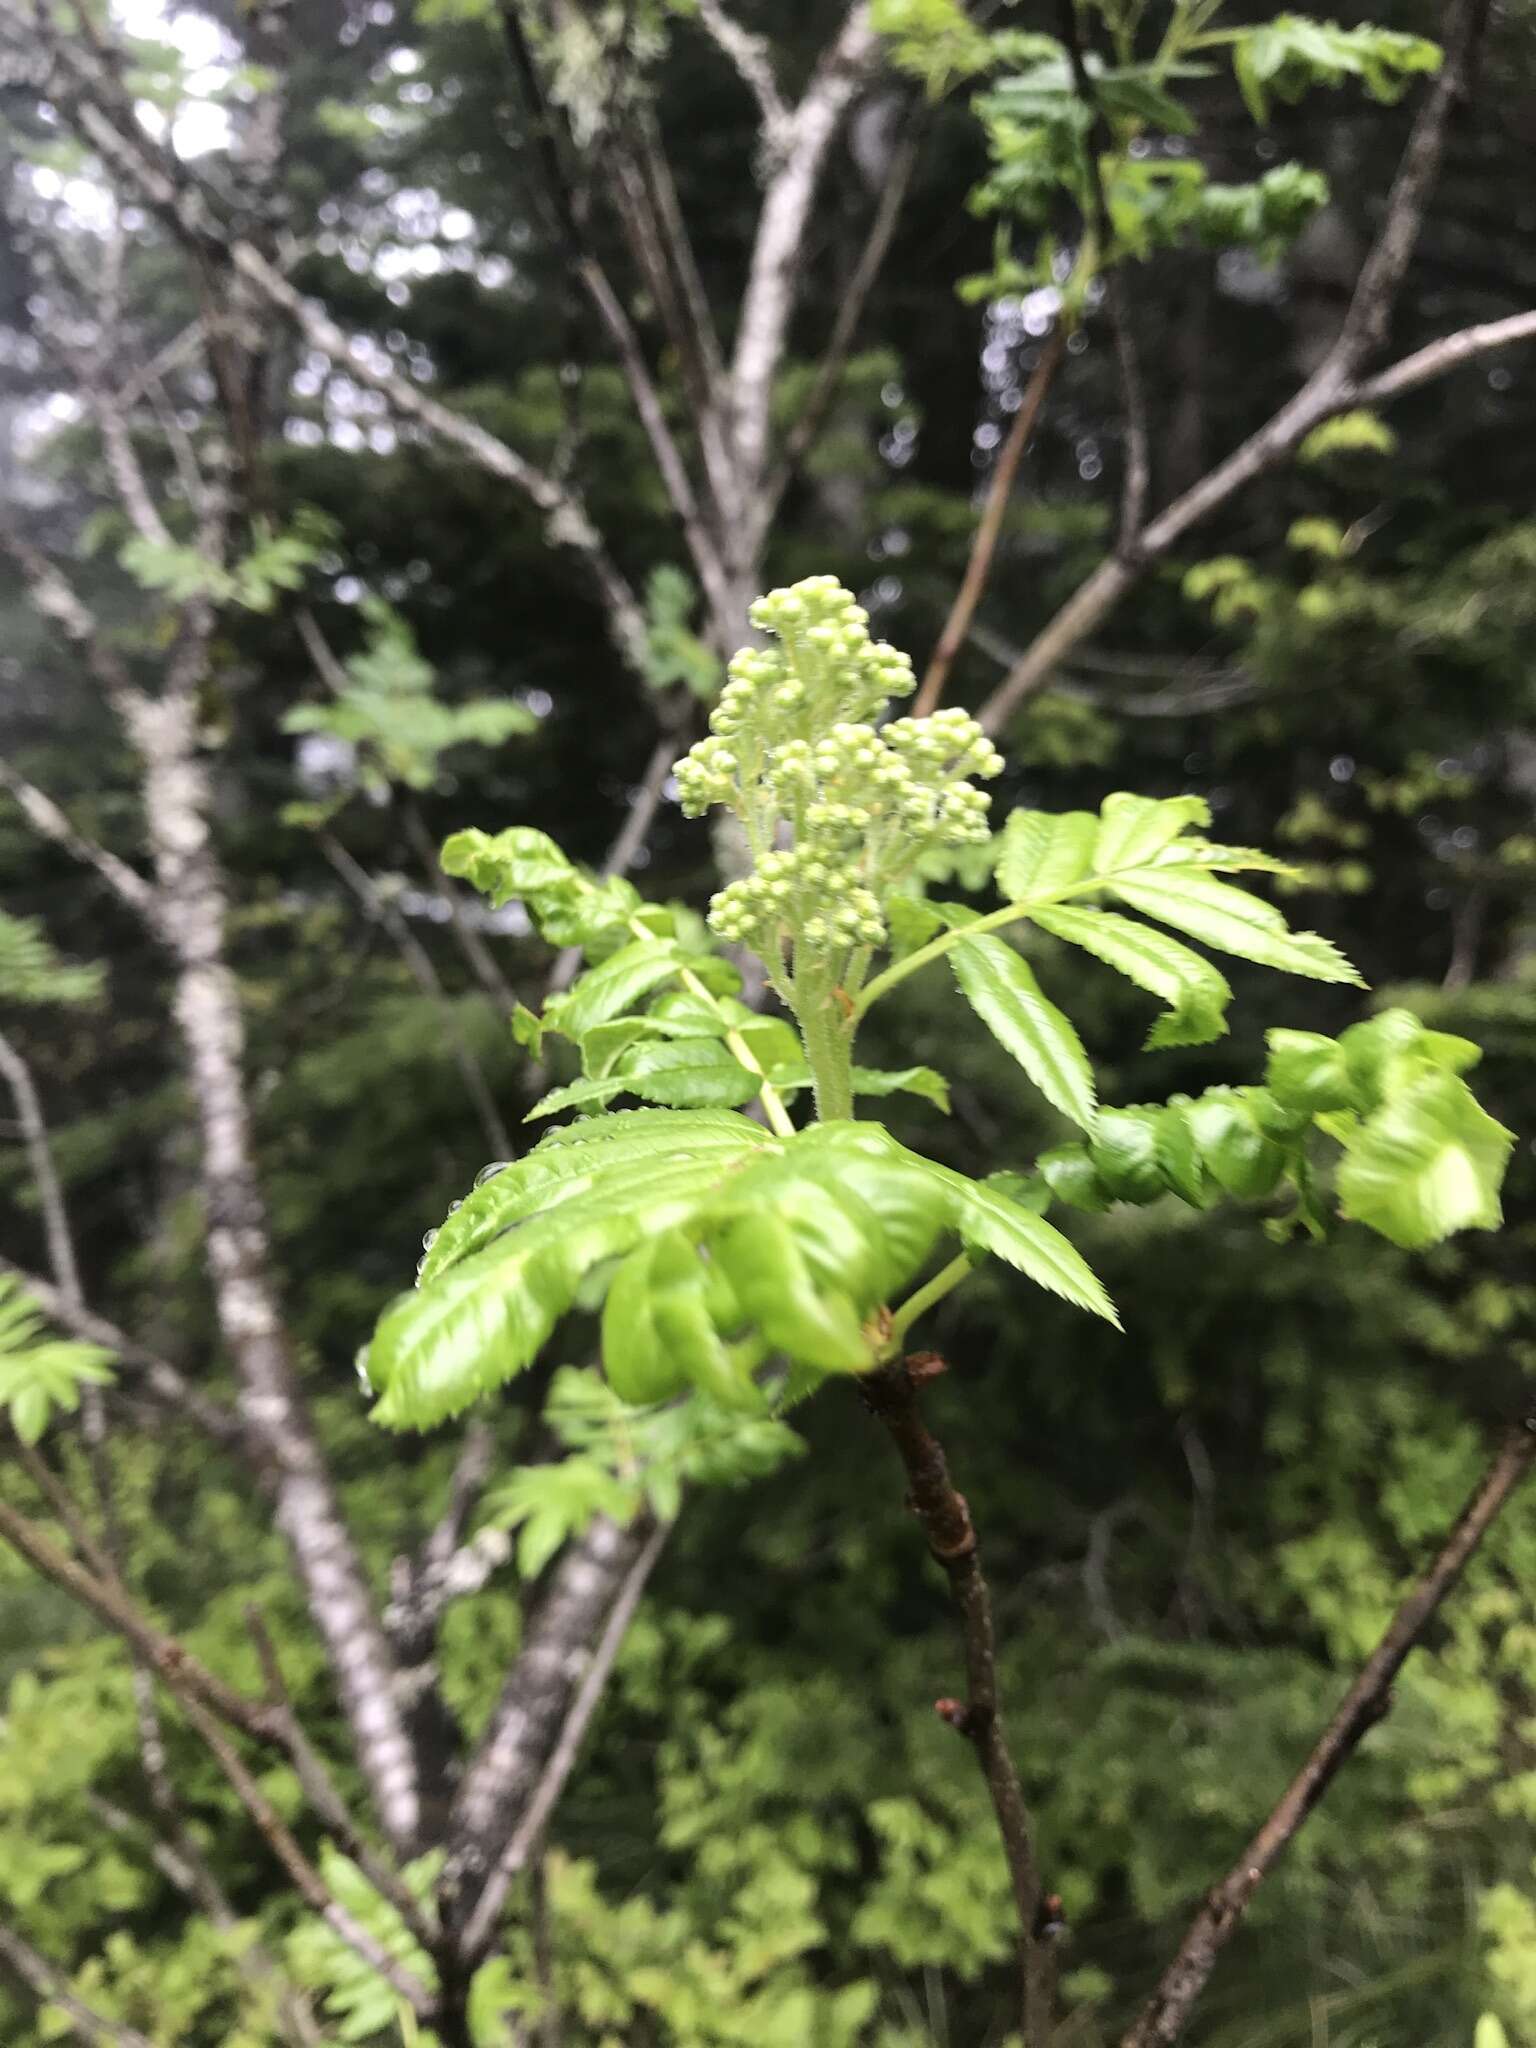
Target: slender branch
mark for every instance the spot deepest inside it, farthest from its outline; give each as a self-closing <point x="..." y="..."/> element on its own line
<point x="891" y="1396"/>
<point x="610" y="309"/>
<point x="183" y="1863"/>
<point x="524" y="1841"/>
<point x="636" y="828"/>
<point x="569" y="523"/>
<point x="51" y="1987"/>
<point x="49" y="822"/>
<point x="1381" y="275"/>
<point x="67" y="1509"/>
<point x="1368" y="1699"/>
<point x="182" y="1672"/>
<point x="50" y="1193"/>
<point x="803" y="434"/>
<point x="158" y="1375"/>
<point x="685" y="307"/>
<point x="984" y="545"/>
<point x="383" y="911"/>
<point x="778" y="252"/>
<point x="477" y="954"/>
<point x="82" y="83"/>
<point x="1450" y="352"/>
<point x="1137" y="483"/>
<point x="666" y="213"/>
<point x="754" y="66"/>
<point x="306" y="1880"/>
<point x="272" y="1722"/>
<point x="632" y="193"/>
<point x="319" y="1787"/>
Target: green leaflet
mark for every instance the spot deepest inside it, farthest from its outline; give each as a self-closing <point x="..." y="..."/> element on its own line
<point x="1310" y="1072"/>
<point x="606" y="1149"/>
<point x="872" y="1081"/>
<point x="481" y="1323"/>
<point x="1045" y="851"/>
<point x="1000" y="987"/>
<point x="1235" y="1150"/>
<point x="1197" y="994"/>
<point x="1429" y="1162"/>
<point x="638" y="1369"/>
<point x="40" y="1374"/>
<point x="1233" y="921"/>
<point x="686" y="1329"/>
<point x="519" y="862"/>
<point x="1124" y="1152"/>
<point x="990" y="1221"/>
<point x="613" y="987"/>
<point x="1132" y="829"/>
<point x="689" y="1073"/>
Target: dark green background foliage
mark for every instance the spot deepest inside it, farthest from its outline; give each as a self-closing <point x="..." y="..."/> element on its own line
<point x="1193" y="1527"/>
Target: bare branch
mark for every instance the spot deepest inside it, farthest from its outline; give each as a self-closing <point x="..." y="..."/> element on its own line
<point x="159" y="1377"/>
<point x="83" y="85"/>
<point x="49" y="822"/>
<point x="754" y="65"/>
<point x="610" y="309"/>
<point x="984" y="545"/>
<point x="183" y="1863"/>
<point x="57" y="602"/>
<point x="67" y="1509"/>
<point x="891" y="1395"/>
<point x="1381" y="275"/>
<point x="1137" y="483"/>
<point x="526" y="1837"/>
<point x="378" y="906"/>
<point x="108" y="1600"/>
<point x="1093" y="600"/>
<point x="51" y="1987"/>
<point x="306" y="1880"/>
<point x="535" y="1700"/>
<point x="481" y="961"/>
<point x="50" y="1194"/>
<point x="802" y="436"/>
<point x="778" y="252"/>
<point x="1368" y="1699"/>
<point x="569" y="525"/>
<point x="1450" y="352"/>
<point x="319" y="1787"/>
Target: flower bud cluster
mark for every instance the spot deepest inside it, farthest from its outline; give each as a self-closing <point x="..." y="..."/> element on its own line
<point x="794" y="751"/>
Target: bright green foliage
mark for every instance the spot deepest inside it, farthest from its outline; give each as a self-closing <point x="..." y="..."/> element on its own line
<point x="622" y="1458"/>
<point x="278" y="562"/>
<point x="41" y="1375"/>
<point x="1348" y="433"/>
<point x="356" y="2000"/>
<point x="674" y="653"/>
<point x="1046" y="139"/>
<point x="1291" y="55"/>
<point x="743" y="1265"/>
<point x="735" y="1246"/>
<point x="1421" y="1159"/>
<point x="389" y="712"/>
<point x="31" y="970"/>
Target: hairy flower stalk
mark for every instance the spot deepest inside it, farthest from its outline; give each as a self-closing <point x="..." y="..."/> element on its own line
<point x="838" y="809"/>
